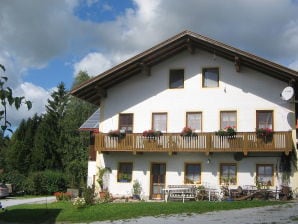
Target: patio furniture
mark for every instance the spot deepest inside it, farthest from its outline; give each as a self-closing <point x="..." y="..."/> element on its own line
<point x="180" y="192"/>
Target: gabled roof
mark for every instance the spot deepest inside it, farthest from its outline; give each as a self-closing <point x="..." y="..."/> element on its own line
<point x="94" y="89"/>
<point x="92" y="123"/>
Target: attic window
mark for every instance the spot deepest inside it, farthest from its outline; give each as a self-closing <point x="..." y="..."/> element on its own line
<point x="210" y="77"/>
<point x="176" y="78"/>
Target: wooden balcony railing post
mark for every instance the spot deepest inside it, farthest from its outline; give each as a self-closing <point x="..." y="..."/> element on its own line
<point x="245" y="143"/>
<point x="208" y="142"/>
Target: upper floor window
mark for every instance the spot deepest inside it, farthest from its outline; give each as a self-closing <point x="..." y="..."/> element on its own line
<point x="265" y="174"/>
<point x="228" y="119"/>
<point x="194" y="120"/>
<point x="176" y="78"/>
<point x="192" y="173"/>
<point x="228" y="173"/>
<point x="159" y="122"/>
<point x="126" y="122"/>
<point x="264" y="119"/>
<point x="210" y="77"/>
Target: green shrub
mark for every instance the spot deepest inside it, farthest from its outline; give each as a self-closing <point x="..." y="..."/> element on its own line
<point x="45" y="182"/>
<point x="15" y="178"/>
<point x="88" y="195"/>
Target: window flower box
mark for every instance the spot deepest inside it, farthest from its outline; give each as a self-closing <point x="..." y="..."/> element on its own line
<point x="228" y="131"/>
<point x="116" y="134"/>
<point x="152" y="134"/>
<point x="265" y="134"/>
<point x="187" y="132"/>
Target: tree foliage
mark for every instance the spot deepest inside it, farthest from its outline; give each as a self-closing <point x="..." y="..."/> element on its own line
<point x="7" y="99"/>
<point x="52" y="141"/>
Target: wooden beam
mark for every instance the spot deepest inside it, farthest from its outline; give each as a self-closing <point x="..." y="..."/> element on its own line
<point x="237" y="63"/>
<point x="101" y="92"/>
<point x="190" y="47"/>
<point x="146" y="70"/>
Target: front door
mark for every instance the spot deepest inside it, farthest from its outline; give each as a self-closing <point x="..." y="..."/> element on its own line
<point x="157" y="180"/>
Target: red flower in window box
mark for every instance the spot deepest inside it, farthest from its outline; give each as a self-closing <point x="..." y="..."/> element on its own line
<point x="228" y="131"/>
<point x="152" y="133"/>
<point x="186" y="132"/>
<point x="265" y="133"/>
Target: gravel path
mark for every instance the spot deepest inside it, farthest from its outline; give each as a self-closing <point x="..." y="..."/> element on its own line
<point x="14" y="201"/>
<point x="278" y="214"/>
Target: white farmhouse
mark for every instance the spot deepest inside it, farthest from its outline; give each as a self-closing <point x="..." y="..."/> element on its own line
<point x="192" y="110"/>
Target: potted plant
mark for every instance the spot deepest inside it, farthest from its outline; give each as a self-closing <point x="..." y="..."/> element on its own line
<point x="136" y="190"/>
<point x="228" y="131"/>
<point x="100" y="180"/>
<point x="124" y="177"/>
<point x="152" y="133"/>
<point x="117" y="134"/>
<point x="266" y="134"/>
<point x="187" y="132"/>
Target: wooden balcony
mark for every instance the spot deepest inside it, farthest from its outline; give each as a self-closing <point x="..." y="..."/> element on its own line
<point x="204" y="142"/>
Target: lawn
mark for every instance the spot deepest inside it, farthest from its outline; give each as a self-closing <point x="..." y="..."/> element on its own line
<point x="66" y="212"/>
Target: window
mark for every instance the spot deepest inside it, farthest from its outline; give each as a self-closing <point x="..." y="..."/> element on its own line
<point x="228" y="118"/>
<point x="194" y="120"/>
<point x="126" y="122"/>
<point x="210" y="77"/>
<point x="124" y="172"/>
<point x="265" y="174"/>
<point x="265" y="119"/>
<point x="176" y="78"/>
<point x="228" y="173"/>
<point x="159" y="122"/>
<point x="192" y="174"/>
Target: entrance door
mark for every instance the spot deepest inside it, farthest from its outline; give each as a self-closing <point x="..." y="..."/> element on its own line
<point x="158" y="180"/>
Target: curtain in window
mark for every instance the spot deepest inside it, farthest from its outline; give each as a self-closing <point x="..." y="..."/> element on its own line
<point x="194" y="121"/>
<point x="160" y="122"/>
<point x="264" y="119"/>
<point x="126" y="122"/>
<point x="265" y="174"/>
<point x="192" y="173"/>
<point x="228" y="118"/>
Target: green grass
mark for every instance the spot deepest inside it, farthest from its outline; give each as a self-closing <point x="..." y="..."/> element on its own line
<point x="66" y="212"/>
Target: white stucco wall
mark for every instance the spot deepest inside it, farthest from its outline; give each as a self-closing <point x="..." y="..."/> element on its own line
<point x="92" y="170"/>
<point x="246" y="169"/>
<point x="245" y="92"/>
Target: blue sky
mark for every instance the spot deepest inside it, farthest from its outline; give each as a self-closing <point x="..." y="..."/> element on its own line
<point x="59" y="69"/>
<point x="43" y="43"/>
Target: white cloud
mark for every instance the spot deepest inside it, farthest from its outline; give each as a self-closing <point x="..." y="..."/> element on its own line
<point x="34" y="32"/>
<point x="37" y="95"/>
<point x="244" y="24"/>
<point x="93" y="64"/>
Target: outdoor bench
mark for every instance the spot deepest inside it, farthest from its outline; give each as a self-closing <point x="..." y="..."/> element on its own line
<point x="180" y="192"/>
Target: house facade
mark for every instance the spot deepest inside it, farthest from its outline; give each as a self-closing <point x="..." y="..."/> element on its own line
<point x="192" y="110"/>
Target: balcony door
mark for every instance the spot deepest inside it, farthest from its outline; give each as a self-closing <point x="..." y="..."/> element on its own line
<point x="157" y="180"/>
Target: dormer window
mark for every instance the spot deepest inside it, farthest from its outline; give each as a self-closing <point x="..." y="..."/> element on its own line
<point x="210" y="77"/>
<point x="176" y="78"/>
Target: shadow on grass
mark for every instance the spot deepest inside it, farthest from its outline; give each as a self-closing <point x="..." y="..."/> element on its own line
<point x="47" y="216"/>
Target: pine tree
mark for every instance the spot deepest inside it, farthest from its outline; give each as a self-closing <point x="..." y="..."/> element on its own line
<point x="49" y="140"/>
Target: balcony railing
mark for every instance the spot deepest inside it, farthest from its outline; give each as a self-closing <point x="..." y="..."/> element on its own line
<point x="204" y="142"/>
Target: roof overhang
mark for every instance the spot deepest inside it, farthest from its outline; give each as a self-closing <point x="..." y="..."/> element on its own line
<point x="95" y="89"/>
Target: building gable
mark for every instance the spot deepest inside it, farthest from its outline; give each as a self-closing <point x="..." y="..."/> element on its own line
<point x="96" y="88"/>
